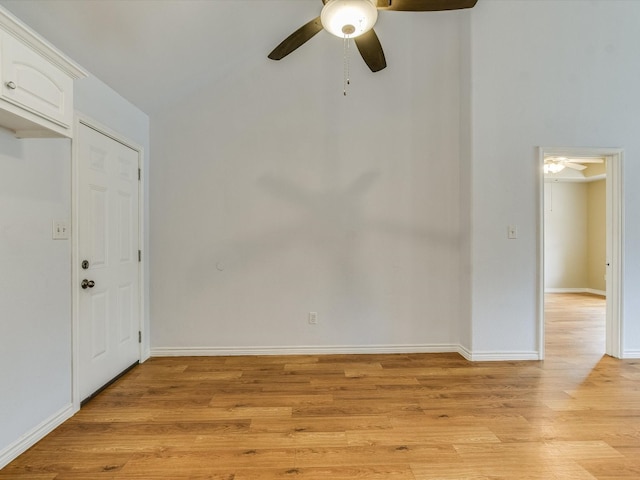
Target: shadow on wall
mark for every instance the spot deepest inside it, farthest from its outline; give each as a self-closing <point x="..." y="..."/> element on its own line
<point x="332" y="222"/>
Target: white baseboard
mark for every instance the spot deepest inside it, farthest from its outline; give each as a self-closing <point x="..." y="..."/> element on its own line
<point x="34" y="435"/>
<point x="503" y="356"/>
<point x="631" y="354"/>
<point x="343" y="349"/>
<point x="300" y="350"/>
<point x="575" y="290"/>
<point x="146" y="354"/>
<point x="465" y="352"/>
<point x="596" y="292"/>
<point x="565" y="290"/>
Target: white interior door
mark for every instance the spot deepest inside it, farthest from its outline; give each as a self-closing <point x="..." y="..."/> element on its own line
<point x="107" y="271"/>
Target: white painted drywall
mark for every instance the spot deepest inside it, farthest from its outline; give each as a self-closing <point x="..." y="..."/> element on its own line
<point x="545" y="73"/>
<point x="273" y="195"/>
<point x="35" y="296"/>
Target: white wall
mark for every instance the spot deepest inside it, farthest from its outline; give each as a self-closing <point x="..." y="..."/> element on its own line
<point x="273" y="196"/>
<point x="545" y="73"/>
<point x="35" y="295"/>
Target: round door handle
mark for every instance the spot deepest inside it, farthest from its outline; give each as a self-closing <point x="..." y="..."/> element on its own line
<point x="87" y="284"/>
<point x="11" y="85"/>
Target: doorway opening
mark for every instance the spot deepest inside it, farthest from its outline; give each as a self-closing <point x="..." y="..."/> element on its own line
<point x="580" y="244"/>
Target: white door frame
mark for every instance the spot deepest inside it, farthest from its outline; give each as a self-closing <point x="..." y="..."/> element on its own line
<point x="615" y="241"/>
<point x="81" y="119"/>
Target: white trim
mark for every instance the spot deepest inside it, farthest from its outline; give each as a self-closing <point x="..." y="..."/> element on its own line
<point x="504" y="356"/>
<point x="301" y="350"/>
<point x="565" y="290"/>
<point x="540" y="255"/>
<point x="593" y="291"/>
<point x="576" y="290"/>
<point x="75" y="261"/>
<point x="615" y="253"/>
<point x="465" y="353"/>
<point x="615" y="241"/>
<point x="33" y="436"/>
<point x="593" y="178"/>
<point x="631" y="354"/>
<point x="143" y="353"/>
<point x="342" y="349"/>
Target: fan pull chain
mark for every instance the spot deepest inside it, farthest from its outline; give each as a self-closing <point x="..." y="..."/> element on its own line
<point x="347" y="80"/>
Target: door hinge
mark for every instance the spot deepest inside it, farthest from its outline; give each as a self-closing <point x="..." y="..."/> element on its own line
<point x="139" y="255"/>
<point x="139" y="174"/>
<point x="139" y="336"/>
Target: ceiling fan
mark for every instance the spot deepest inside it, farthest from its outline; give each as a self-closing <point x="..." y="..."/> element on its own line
<point x="557" y="164"/>
<point x="356" y="19"/>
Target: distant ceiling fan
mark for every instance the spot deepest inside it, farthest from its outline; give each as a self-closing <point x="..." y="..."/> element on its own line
<point x="356" y="19"/>
<point x="557" y="164"/>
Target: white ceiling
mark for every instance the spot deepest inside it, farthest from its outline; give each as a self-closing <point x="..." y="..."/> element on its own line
<point x="154" y="50"/>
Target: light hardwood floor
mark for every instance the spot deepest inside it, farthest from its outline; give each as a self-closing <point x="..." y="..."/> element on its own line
<point x="375" y="417"/>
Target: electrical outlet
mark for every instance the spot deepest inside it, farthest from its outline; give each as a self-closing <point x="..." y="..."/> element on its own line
<point x="60" y="230"/>
<point x="313" y="318"/>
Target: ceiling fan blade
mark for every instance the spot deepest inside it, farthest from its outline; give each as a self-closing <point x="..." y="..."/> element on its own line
<point x="371" y="50"/>
<point x="296" y="39"/>
<point x="575" y="166"/>
<point x="424" y="5"/>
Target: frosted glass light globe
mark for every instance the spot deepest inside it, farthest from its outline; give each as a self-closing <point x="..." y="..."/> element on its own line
<point x="349" y="18"/>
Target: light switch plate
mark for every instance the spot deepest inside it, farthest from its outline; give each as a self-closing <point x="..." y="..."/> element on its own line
<point x="60" y="230"/>
<point x="512" y="232"/>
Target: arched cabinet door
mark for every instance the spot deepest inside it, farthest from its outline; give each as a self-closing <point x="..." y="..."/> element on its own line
<point x="36" y="83"/>
<point x="33" y="83"/>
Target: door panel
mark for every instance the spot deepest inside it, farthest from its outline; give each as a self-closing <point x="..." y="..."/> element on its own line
<point x="99" y="315"/>
<point x="109" y="311"/>
<point x="97" y="217"/>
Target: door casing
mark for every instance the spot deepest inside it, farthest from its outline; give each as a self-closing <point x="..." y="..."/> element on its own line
<point x="615" y="241"/>
<point x="80" y="119"/>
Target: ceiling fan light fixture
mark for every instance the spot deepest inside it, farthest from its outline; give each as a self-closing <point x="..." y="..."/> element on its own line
<point x="349" y="18"/>
<point x="553" y="167"/>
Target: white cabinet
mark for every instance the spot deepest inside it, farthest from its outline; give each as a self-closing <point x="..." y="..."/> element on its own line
<point x="36" y="83"/>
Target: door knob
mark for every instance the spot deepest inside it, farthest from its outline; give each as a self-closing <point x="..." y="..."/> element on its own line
<point x="87" y="284"/>
<point x="11" y="85"/>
